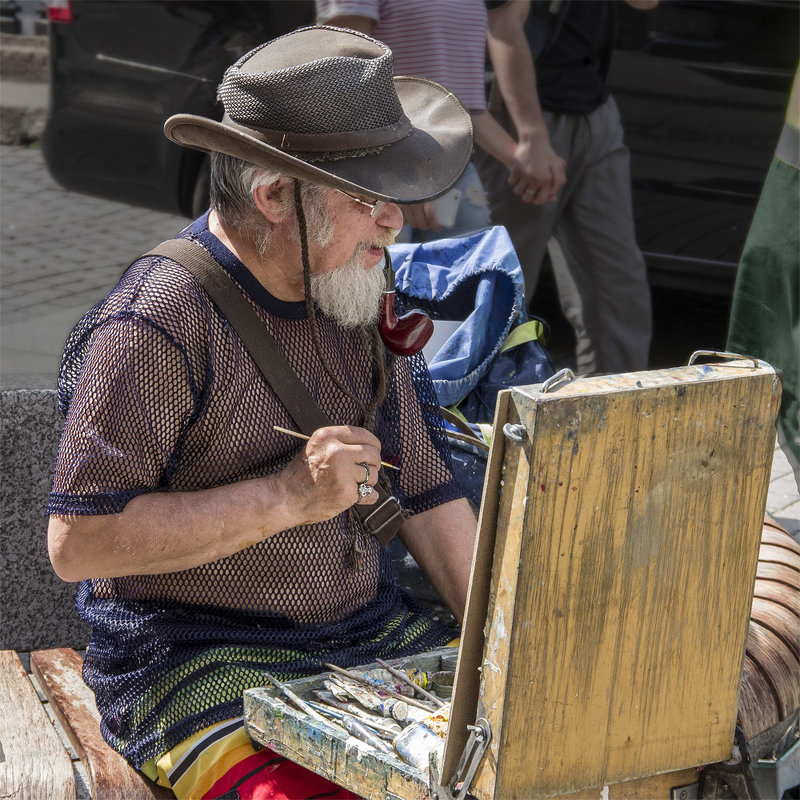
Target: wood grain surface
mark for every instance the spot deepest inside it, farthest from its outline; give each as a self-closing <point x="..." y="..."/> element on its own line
<point x="33" y="763"/>
<point x="625" y="556"/>
<point x="112" y="778"/>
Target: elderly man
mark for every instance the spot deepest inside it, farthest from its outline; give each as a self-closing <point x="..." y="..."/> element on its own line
<point x="211" y="544"/>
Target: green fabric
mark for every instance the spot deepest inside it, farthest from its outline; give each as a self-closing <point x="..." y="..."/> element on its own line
<point x="530" y="331"/>
<point x="765" y="313"/>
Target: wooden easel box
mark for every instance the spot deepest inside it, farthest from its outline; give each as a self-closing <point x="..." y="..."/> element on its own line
<point x="611" y="585"/>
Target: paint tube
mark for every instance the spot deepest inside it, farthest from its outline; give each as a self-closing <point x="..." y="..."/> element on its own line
<point x="371" y="700"/>
<point x="416" y="743"/>
<point x="383" y="725"/>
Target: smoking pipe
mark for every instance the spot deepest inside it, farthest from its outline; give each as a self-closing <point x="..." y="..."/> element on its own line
<point x="405" y="335"/>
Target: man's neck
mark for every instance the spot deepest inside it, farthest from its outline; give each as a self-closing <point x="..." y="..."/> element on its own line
<point x="279" y="271"/>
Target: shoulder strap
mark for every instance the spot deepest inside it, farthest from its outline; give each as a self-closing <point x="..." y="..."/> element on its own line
<point x="269" y="358"/>
<point x="384" y="518"/>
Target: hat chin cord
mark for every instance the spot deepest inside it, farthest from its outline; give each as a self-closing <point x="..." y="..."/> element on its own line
<point x="367" y="412"/>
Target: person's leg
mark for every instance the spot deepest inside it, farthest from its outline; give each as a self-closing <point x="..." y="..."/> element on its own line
<point x="605" y="293"/>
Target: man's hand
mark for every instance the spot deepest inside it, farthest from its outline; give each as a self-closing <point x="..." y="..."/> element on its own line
<point x="325" y="475"/>
<point x="538" y="172"/>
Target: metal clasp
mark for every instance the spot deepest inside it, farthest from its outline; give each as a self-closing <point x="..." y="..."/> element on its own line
<point x="480" y="734"/>
<point x="717" y="354"/>
<point x="565" y="374"/>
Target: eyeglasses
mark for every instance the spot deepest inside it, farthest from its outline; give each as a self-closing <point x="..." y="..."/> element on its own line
<point x="374" y="208"/>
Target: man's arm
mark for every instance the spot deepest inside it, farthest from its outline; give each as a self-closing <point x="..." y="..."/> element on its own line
<point x="537" y="169"/>
<point x="169" y="531"/>
<point x="441" y="541"/>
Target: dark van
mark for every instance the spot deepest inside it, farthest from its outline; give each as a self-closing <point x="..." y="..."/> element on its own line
<point x="702" y="86"/>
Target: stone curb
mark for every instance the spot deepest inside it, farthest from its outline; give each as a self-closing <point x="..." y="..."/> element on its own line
<point x="24" y="61"/>
<point x="24" y="58"/>
<point x="21" y="125"/>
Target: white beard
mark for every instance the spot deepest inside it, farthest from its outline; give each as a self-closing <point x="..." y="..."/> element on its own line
<point x="350" y="294"/>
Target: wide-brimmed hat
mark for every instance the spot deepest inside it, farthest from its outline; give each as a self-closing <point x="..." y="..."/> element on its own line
<point x="321" y="104"/>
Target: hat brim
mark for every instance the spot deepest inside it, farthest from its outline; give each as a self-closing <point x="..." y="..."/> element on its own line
<point x="421" y="166"/>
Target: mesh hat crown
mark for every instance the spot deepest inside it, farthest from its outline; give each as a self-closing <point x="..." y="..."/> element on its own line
<point x="321" y="104"/>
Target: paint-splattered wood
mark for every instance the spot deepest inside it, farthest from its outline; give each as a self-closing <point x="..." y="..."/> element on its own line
<point x="625" y="555"/>
<point x="33" y="762"/>
<point x="59" y="674"/>
<point x="331" y="752"/>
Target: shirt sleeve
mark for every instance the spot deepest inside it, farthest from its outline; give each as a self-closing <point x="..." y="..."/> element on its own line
<point x="126" y="421"/>
<point x="328" y="9"/>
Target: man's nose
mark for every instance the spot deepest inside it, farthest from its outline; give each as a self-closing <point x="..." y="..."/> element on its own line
<point x="390" y="216"/>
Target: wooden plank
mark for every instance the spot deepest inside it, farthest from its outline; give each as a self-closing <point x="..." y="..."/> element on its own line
<point x="33" y="762"/>
<point x="630" y="548"/>
<point x="656" y="787"/>
<point x="779" y="664"/>
<point x="758" y="707"/>
<point x="780" y="538"/>
<point x="773" y="571"/>
<point x="468" y="677"/>
<point x="782" y="622"/>
<point x="780" y="593"/>
<point x="779" y="554"/>
<point x="111" y="777"/>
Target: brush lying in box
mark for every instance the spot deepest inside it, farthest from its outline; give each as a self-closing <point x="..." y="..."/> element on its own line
<point x="393" y="713"/>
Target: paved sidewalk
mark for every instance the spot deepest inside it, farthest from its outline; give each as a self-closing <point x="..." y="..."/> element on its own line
<point x="60" y="252"/>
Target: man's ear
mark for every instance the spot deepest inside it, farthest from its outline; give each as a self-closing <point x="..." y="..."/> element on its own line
<point x="270" y="199"/>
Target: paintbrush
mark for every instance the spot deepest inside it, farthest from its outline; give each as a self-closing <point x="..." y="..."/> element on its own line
<point x="355" y="728"/>
<point x="379" y="687"/>
<point x="403" y="677"/>
<point x="298" y="435"/>
<point x="296" y="701"/>
<point x="359" y="728"/>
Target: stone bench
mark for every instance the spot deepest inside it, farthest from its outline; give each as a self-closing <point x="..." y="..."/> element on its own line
<point x="50" y="737"/>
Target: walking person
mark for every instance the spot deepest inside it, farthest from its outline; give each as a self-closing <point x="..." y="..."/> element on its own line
<point x="571" y="178"/>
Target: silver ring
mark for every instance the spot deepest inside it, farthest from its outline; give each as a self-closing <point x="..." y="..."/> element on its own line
<point x="530" y="191"/>
<point x="364" y="490"/>
<point x="366" y="470"/>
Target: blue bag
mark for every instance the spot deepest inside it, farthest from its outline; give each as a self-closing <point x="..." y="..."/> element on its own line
<point x="476" y="279"/>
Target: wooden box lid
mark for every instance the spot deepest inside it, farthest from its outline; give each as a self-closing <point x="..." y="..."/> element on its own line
<point x="613" y="575"/>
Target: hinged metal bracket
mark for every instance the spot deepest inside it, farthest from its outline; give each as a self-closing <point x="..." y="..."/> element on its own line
<point x="480" y="734"/>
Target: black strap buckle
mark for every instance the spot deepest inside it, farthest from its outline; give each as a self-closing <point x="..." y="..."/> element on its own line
<point x="384" y="519"/>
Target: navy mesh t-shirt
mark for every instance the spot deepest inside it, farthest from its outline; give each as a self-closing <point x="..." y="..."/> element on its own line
<point x="160" y="395"/>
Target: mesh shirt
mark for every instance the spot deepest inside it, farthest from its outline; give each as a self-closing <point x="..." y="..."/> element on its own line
<point x="160" y="395"/>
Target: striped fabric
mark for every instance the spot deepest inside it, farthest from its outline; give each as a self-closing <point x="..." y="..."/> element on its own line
<point x="442" y="40"/>
<point x="221" y="761"/>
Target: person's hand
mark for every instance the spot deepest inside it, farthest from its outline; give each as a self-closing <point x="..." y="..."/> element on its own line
<point x="325" y="475"/>
<point x="421" y="216"/>
<point x="537" y="172"/>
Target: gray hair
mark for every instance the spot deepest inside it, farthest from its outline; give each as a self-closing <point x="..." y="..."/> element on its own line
<point x="233" y="182"/>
